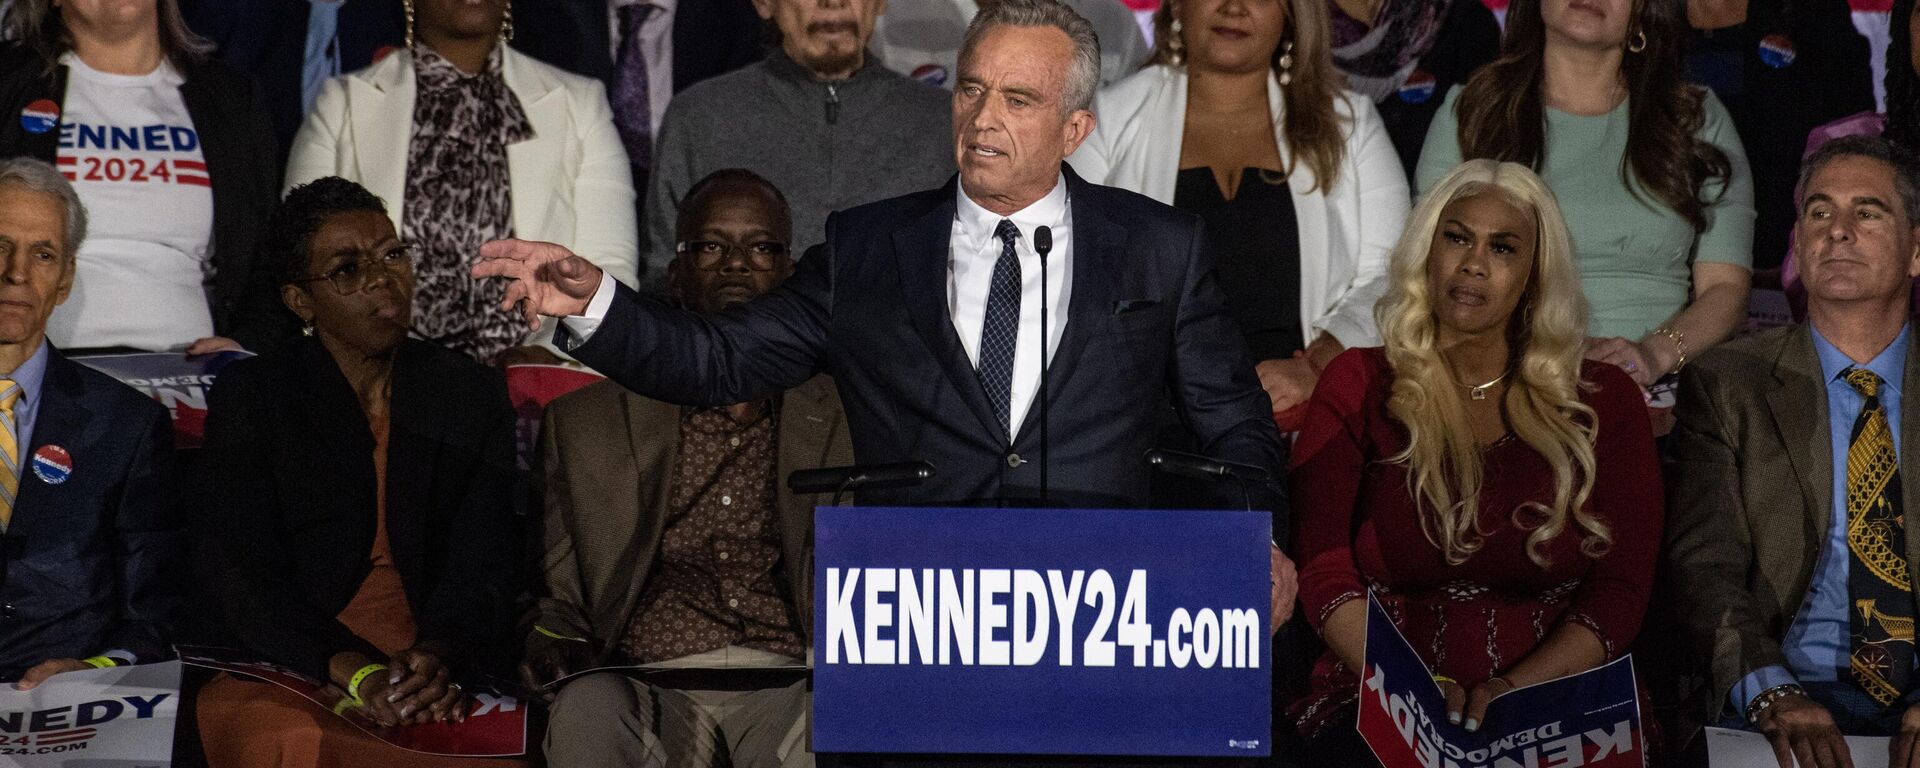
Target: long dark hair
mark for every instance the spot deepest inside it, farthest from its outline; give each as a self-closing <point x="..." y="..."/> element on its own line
<point x="1903" y="87"/>
<point x="1502" y="114"/>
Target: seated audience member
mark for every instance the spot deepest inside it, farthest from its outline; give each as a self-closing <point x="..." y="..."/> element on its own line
<point x="1781" y="67"/>
<point x="822" y="121"/>
<point x="173" y="156"/>
<point x="921" y="38"/>
<point x="356" y="497"/>
<point x="1787" y="542"/>
<point x="292" y="47"/>
<point x="1405" y="55"/>
<point x="1649" y="170"/>
<point x="471" y="141"/>
<point x="645" y="51"/>
<point x="96" y="551"/>
<point x="1242" y="120"/>
<point x="1498" y="494"/>
<point x="687" y="549"/>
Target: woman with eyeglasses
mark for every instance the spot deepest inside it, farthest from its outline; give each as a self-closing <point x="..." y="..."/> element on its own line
<point x="354" y="503"/>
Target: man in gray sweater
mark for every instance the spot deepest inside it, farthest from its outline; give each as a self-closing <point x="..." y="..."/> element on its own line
<point x="819" y="118"/>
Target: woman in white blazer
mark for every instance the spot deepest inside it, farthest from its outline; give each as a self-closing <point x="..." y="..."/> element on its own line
<point x="1240" y="112"/>
<point x="563" y="173"/>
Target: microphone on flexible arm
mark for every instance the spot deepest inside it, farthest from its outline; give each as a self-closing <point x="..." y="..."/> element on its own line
<point x="1213" y="470"/>
<point x="1043" y="244"/>
<point x="839" y="480"/>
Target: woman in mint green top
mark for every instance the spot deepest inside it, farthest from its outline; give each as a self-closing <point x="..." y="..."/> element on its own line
<point x="1666" y="264"/>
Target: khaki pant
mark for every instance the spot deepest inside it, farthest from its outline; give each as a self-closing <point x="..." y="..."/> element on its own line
<point x="611" y="719"/>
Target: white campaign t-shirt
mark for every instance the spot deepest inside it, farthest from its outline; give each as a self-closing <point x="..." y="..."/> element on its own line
<point x="132" y="153"/>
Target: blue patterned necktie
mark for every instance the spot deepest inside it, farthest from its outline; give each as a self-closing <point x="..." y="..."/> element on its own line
<point x="1000" y="335"/>
<point x="632" y="94"/>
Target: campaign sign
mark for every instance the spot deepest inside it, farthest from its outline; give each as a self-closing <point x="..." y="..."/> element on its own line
<point x="1591" y="719"/>
<point x="1037" y="631"/>
<point x="118" y="716"/>
<point x="174" y="380"/>
<point x="496" y="724"/>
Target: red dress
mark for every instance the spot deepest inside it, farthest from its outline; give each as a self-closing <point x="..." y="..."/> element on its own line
<point x="1356" y="528"/>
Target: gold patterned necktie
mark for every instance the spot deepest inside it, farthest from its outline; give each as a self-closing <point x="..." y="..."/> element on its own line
<point x="1881" y="622"/>
<point x="9" y="451"/>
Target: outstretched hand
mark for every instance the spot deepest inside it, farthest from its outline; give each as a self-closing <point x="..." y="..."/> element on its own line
<point x="547" y="279"/>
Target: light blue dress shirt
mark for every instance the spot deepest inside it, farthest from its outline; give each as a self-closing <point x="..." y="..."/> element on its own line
<point x="30" y="376"/>
<point x="322" y="59"/>
<point x="1816" y="646"/>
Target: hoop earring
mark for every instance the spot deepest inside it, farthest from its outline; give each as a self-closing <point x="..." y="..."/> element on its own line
<point x="408" y="5"/>
<point x="1176" y="49"/>
<point x="506" y="25"/>
<point x="1286" y="64"/>
<point x="1638" y="43"/>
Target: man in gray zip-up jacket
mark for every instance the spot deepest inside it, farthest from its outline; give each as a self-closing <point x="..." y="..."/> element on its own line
<point x="819" y="118"/>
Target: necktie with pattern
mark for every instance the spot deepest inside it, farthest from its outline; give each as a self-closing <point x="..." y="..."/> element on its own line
<point x="632" y="94"/>
<point x="9" y="451"/>
<point x="1881" y="623"/>
<point x="1000" y="334"/>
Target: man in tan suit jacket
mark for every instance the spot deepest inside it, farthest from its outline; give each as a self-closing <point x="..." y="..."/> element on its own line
<point x="1763" y="577"/>
<point x="671" y="540"/>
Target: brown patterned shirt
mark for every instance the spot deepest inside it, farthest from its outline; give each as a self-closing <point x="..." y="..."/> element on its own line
<point x="718" y="581"/>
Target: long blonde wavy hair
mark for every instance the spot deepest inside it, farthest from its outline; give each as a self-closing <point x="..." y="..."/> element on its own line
<point x="1542" y="402"/>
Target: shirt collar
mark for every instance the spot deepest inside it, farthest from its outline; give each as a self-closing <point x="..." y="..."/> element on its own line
<point x="977" y="224"/>
<point x="30" y="375"/>
<point x="664" y="5"/>
<point x="1890" y="365"/>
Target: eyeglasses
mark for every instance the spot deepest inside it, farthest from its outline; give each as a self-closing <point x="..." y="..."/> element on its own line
<point x="710" y="255"/>
<point x="351" y="277"/>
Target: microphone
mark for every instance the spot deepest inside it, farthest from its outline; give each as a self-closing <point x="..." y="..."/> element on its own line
<point x="1043" y="244"/>
<point x="839" y="480"/>
<point x="1212" y="470"/>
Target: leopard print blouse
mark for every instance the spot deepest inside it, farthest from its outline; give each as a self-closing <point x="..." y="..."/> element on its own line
<point x="458" y="196"/>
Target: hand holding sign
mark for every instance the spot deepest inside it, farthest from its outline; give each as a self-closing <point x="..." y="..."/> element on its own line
<point x="40" y="672"/>
<point x="1800" y="729"/>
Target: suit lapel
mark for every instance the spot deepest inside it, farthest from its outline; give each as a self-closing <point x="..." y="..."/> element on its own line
<point x="807" y="422"/>
<point x="380" y="103"/>
<point x="634" y="510"/>
<point x="1797" y="372"/>
<point x="416" y="420"/>
<point x="536" y="158"/>
<point x="1099" y="257"/>
<point x="61" y="420"/>
<point x="922" y="248"/>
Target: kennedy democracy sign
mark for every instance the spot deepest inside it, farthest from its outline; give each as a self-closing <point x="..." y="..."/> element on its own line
<point x="1030" y="631"/>
<point x="1591" y="719"/>
<point x="118" y="716"/>
<point x="174" y="380"/>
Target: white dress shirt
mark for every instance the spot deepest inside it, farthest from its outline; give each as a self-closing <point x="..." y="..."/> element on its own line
<point x="972" y="251"/>
<point x="656" y="40"/>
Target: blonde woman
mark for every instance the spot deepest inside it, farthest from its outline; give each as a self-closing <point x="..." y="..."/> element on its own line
<point x="1499" y="494"/>
<point x="1242" y="120"/>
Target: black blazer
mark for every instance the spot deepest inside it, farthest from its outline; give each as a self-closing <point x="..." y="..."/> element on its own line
<point x="286" y="501"/>
<point x="1147" y="324"/>
<point x="710" y="37"/>
<point x="241" y="160"/>
<point x="96" y="563"/>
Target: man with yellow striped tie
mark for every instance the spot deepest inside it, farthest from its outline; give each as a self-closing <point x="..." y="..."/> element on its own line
<point x="92" y="547"/>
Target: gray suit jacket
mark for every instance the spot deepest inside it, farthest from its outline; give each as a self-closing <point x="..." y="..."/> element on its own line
<point x="607" y="456"/>
<point x="1750" y="499"/>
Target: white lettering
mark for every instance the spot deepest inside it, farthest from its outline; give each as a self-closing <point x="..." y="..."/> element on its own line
<point x="840" y="622"/>
<point x="994" y="582"/>
<point x="1030" y="628"/>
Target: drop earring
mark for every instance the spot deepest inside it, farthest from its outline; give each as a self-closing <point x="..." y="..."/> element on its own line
<point x="506" y="26"/>
<point x="1176" y="49"/>
<point x="408" y="5"/>
<point x="1286" y="63"/>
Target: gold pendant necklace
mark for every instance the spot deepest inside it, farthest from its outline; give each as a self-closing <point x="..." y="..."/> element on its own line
<point x="1480" y="392"/>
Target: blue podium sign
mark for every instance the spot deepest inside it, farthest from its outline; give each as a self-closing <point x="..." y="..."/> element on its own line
<point x="1027" y="631"/>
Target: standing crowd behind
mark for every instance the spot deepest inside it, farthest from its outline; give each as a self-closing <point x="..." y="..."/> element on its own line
<point x="1492" y="277"/>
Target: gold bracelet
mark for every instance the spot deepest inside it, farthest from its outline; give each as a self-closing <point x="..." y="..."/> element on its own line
<point x="1679" y="344"/>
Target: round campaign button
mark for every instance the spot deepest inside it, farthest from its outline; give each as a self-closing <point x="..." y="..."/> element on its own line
<point x="1777" y="51"/>
<point x="40" y="116"/>
<point x="931" y="74"/>
<point x="1418" y="88"/>
<point x="52" y="464"/>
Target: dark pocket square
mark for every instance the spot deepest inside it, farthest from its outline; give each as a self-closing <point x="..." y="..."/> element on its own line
<point x="1123" y="306"/>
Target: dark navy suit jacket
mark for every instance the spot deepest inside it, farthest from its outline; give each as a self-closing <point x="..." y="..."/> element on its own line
<point x="1146" y="325"/>
<point x="97" y="562"/>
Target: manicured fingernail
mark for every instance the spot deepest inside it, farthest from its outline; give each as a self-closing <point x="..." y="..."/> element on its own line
<point x="1472" y="725"/>
<point x="406" y="711"/>
<point x="392" y="697"/>
<point x="1453" y="717"/>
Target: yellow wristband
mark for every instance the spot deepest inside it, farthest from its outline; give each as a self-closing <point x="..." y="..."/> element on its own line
<point x="353" y="686"/>
<point x="1438" y="679"/>
<point x="102" y="662"/>
<point x="556" y="635"/>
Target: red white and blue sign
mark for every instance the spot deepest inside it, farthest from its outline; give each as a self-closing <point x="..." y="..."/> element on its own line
<point x="52" y="464"/>
<point x="1419" y="87"/>
<point x="1039" y="631"/>
<point x="931" y="74"/>
<point x="179" y="382"/>
<point x="40" y="117"/>
<point x="1590" y="719"/>
<point x="1777" y="51"/>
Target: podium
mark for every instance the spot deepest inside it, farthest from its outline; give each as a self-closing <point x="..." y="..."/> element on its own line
<point x="1041" y="632"/>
